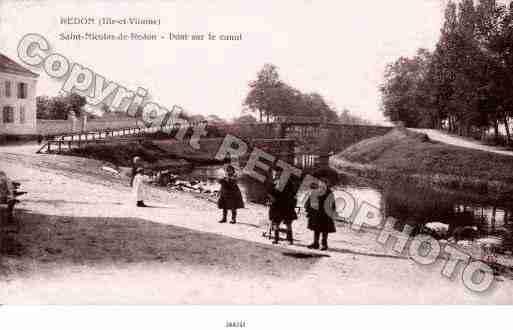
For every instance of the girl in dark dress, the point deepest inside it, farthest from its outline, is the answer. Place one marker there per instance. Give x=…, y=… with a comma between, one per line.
x=319, y=221
x=230, y=197
x=283, y=208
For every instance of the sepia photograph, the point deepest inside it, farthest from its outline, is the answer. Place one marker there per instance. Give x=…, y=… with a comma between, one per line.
x=304, y=153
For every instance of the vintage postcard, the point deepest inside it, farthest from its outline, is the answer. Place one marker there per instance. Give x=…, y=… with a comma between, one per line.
x=256, y=152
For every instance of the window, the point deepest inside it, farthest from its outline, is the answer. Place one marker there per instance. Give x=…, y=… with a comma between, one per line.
x=8, y=114
x=22, y=90
x=7, y=88
x=22, y=114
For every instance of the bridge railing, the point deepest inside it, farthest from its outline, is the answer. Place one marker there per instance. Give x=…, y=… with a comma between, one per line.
x=59, y=143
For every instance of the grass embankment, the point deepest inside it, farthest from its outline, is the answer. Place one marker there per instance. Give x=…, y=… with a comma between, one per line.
x=157, y=153
x=406, y=155
x=208, y=148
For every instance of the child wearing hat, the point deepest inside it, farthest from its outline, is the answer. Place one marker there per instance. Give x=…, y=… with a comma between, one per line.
x=230, y=197
x=319, y=211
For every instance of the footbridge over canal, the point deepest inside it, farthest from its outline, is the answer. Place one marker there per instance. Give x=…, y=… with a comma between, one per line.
x=302, y=141
x=308, y=140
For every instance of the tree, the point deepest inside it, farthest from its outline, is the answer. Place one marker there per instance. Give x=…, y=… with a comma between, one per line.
x=74, y=103
x=245, y=119
x=43, y=107
x=197, y=118
x=214, y=119
x=273, y=98
x=263, y=90
x=465, y=84
x=58, y=107
x=405, y=94
x=346, y=117
x=495, y=33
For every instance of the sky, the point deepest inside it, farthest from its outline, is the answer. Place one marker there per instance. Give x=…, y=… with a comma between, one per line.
x=338, y=49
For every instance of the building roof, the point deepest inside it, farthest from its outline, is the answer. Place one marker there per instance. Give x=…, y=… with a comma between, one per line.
x=9, y=66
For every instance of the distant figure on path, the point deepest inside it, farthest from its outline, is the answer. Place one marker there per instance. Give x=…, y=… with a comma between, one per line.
x=283, y=208
x=319, y=221
x=230, y=197
x=136, y=163
x=138, y=189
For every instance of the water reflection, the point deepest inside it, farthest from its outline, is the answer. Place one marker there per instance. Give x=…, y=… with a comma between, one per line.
x=420, y=205
x=416, y=206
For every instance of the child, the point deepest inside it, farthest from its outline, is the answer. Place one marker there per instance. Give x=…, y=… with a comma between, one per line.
x=138, y=189
x=283, y=208
x=136, y=163
x=319, y=221
x=230, y=197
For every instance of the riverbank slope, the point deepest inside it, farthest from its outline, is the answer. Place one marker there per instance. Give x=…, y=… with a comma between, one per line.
x=413, y=157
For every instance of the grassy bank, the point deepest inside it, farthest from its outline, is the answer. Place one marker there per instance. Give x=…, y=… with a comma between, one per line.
x=158, y=153
x=206, y=153
x=409, y=156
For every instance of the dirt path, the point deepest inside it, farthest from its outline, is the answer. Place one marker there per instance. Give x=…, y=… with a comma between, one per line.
x=82, y=243
x=436, y=135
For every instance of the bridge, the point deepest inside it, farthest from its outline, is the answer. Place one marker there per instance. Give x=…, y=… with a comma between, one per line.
x=302, y=142
x=310, y=133
x=310, y=140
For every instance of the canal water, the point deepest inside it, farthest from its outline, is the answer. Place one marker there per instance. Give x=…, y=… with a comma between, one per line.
x=407, y=203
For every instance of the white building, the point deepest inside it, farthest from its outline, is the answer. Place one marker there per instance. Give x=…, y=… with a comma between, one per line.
x=17, y=98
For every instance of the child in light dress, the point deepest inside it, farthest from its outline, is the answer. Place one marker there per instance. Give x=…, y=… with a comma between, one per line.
x=138, y=187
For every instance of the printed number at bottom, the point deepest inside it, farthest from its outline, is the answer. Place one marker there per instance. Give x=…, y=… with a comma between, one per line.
x=235, y=324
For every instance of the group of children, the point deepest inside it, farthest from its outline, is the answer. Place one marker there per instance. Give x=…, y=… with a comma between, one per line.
x=282, y=210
